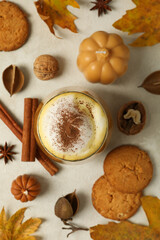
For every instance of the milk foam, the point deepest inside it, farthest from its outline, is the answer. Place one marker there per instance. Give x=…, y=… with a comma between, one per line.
x=92, y=130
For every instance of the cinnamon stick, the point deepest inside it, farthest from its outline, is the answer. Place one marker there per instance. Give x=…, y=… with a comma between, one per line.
x=11, y=123
x=33, y=140
x=17, y=131
x=43, y=159
x=28, y=139
x=26, y=130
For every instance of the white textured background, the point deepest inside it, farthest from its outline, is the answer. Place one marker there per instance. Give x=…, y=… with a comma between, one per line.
x=143, y=61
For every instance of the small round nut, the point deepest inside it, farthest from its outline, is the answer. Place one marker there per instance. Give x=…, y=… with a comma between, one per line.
x=45, y=67
x=63, y=209
x=66, y=207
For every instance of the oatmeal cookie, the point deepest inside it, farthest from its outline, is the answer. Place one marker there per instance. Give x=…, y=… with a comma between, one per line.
x=113, y=204
x=14, y=27
x=128, y=169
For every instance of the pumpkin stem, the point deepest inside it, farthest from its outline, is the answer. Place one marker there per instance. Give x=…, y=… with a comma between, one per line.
x=25, y=191
x=102, y=53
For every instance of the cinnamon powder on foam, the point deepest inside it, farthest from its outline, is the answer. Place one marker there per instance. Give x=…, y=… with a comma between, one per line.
x=68, y=127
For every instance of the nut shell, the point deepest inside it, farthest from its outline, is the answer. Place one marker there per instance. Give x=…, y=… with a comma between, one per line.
x=25, y=188
x=74, y=201
x=128, y=126
x=13, y=79
x=45, y=67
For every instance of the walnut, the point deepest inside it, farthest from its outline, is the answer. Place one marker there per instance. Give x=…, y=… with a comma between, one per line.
x=134, y=114
x=46, y=67
x=131, y=118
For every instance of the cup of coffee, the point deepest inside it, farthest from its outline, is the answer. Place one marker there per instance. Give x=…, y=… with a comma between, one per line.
x=72, y=125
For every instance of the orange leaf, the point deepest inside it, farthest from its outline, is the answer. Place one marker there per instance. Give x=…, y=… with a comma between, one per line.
x=145, y=18
x=123, y=231
x=55, y=12
x=129, y=231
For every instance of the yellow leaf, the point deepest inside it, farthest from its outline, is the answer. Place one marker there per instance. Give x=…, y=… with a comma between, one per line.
x=55, y=12
x=14, y=229
x=145, y=18
x=29, y=238
x=151, y=206
x=28, y=227
x=15, y=222
x=3, y=221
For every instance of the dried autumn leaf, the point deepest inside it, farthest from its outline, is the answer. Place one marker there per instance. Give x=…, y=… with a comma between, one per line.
x=3, y=221
x=27, y=228
x=151, y=206
x=152, y=83
x=145, y=18
x=14, y=229
x=55, y=12
x=129, y=231
x=123, y=231
x=15, y=221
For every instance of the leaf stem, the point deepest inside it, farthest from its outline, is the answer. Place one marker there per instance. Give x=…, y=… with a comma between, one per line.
x=73, y=228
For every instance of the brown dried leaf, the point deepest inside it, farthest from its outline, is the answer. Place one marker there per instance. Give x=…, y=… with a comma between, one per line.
x=129, y=231
x=123, y=231
x=152, y=83
x=56, y=13
x=13, y=79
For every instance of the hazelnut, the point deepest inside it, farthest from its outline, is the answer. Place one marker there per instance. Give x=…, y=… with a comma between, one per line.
x=45, y=67
x=63, y=209
x=66, y=207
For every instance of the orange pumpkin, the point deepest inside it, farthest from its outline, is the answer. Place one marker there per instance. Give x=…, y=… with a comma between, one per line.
x=25, y=188
x=103, y=57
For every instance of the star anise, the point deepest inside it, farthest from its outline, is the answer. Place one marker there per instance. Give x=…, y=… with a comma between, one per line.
x=101, y=6
x=6, y=152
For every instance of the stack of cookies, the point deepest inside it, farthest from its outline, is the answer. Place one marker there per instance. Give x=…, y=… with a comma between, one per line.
x=127, y=171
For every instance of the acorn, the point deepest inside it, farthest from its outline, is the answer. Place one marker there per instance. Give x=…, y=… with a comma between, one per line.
x=66, y=207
